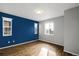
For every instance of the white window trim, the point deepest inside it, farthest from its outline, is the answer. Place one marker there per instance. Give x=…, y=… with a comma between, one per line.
x=6, y=19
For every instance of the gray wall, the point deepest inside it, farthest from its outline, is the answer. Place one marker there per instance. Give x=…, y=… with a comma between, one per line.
x=71, y=31
x=58, y=37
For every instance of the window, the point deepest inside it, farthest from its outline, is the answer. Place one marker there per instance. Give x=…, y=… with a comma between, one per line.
x=7, y=26
x=49, y=28
x=35, y=28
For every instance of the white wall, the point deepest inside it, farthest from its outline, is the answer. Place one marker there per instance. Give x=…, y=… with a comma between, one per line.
x=71, y=31
x=58, y=37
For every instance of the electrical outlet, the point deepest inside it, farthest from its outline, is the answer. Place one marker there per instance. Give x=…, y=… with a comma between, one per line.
x=8, y=41
x=13, y=41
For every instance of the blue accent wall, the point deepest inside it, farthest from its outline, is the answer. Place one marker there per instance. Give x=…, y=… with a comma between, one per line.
x=22, y=30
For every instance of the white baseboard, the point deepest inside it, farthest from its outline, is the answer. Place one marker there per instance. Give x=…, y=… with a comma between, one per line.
x=18, y=44
x=51, y=42
x=71, y=53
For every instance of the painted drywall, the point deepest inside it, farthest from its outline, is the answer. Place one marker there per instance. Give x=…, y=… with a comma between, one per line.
x=22, y=30
x=58, y=36
x=71, y=31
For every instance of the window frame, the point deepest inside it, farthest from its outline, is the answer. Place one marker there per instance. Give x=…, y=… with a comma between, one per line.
x=45, y=30
x=35, y=28
x=3, y=26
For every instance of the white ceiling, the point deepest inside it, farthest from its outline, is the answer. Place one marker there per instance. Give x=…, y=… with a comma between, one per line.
x=27, y=10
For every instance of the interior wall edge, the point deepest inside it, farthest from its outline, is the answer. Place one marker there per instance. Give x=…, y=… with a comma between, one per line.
x=51, y=18
x=18, y=44
x=71, y=52
x=52, y=42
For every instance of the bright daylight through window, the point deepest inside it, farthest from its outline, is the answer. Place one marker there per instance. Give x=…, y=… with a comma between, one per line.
x=49, y=28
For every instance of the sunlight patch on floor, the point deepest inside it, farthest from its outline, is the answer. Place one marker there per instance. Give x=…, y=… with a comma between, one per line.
x=46, y=51
x=52, y=53
x=43, y=51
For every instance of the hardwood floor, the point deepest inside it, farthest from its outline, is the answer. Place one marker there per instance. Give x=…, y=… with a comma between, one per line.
x=38, y=48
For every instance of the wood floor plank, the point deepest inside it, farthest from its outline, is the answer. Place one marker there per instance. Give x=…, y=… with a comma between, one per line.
x=38, y=48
